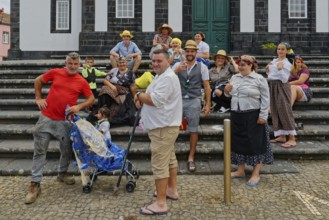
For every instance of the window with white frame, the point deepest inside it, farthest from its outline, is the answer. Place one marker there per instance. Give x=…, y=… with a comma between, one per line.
x=5, y=37
x=297, y=8
x=63, y=15
x=125, y=8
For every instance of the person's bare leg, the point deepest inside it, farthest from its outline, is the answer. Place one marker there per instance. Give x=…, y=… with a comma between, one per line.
x=193, y=143
x=293, y=94
x=240, y=171
x=160, y=205
x=137, y=63
x=255, y=177
x=290, y=143
x=113, y=61
x=281, y=138
x=172, y=183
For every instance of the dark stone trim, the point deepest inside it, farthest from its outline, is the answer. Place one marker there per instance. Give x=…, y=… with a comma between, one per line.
x=88, y=16
x=14, y=52
x=261, y=15
x=187, y=15
x=235, y=15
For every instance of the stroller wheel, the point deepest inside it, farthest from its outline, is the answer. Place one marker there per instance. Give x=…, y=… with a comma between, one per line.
x=87, y=188
x=130, y=186
x=136, y=173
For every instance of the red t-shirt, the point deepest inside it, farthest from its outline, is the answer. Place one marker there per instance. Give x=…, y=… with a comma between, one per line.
x=65, y=90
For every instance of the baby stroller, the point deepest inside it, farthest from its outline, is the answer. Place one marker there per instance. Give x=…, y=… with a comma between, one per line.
x=91, y=151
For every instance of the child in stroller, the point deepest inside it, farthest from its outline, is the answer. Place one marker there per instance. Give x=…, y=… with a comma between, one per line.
x=91, y=150
x=103, y=124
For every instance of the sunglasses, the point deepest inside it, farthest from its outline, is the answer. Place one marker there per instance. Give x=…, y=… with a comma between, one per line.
x=187, y=83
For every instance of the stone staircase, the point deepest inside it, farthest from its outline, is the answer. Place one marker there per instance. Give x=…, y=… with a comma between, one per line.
x=18, y=114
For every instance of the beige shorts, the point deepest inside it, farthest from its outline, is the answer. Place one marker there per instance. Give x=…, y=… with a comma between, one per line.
x=163, y=150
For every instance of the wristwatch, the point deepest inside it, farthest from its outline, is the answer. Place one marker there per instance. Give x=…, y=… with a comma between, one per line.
x=137, y=94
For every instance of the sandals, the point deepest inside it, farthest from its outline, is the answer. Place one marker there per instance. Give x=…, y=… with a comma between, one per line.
x=191, y=166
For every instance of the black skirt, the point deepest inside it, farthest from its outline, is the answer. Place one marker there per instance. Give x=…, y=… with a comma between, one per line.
x=248, y=137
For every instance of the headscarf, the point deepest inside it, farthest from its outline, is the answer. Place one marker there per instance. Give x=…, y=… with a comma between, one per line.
x=250, y=60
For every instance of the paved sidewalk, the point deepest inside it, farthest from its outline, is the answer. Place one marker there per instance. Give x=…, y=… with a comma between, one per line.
x=304, y=195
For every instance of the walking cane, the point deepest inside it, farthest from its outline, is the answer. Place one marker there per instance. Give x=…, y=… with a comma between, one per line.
x=128, y=148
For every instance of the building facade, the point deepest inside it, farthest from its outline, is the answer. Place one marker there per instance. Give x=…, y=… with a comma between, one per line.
x=238, y=26
x=4, y=34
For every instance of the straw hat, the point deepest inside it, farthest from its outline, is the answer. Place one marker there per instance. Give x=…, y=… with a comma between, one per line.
x=220, y=53
x=126, y=33
x=165, y=26
x=191, y=44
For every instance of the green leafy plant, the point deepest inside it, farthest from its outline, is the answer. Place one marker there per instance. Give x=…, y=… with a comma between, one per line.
x=268, y=45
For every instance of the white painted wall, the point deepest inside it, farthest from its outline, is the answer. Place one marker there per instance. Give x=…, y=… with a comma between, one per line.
x=148, y=15
x=101, y=15
x=175, y=15
x=274, y=15
x=247, y=16
x=322, y=16
x=35, y=28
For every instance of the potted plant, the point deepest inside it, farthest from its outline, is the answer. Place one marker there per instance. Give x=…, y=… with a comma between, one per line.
x=268, y=48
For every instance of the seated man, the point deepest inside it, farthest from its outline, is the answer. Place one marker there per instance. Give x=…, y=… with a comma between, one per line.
x=129, y=50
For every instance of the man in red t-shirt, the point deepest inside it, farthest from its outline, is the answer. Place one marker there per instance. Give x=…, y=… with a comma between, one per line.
x=67, y=85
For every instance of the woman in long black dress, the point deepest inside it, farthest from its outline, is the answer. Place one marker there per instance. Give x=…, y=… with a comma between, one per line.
x=249, y=111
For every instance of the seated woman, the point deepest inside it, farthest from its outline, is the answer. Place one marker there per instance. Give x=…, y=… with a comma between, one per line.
x=223, y=70
x=299, y=82
x=176, y=53
x=117, y=93
x=162, y=39
x=203, y=48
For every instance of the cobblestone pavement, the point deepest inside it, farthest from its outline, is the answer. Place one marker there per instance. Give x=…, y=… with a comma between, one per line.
x=280, y=196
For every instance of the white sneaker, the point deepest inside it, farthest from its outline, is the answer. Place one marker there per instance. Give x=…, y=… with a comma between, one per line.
x=223, y=110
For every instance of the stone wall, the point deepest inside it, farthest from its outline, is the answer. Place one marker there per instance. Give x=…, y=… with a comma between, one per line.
x=300, y=33
x=102, y=42
x=14, y=52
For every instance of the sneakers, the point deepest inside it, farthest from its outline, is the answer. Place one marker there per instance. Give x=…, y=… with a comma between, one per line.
x=66, y=178
x=223, y=110
x=34, y=192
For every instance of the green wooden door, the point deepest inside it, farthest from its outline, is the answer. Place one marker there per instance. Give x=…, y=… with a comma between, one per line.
x=212, y=17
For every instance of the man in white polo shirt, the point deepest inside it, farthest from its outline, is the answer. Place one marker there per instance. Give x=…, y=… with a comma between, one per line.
x=162, y=116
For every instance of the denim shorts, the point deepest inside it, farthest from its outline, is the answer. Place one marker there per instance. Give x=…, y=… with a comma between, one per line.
x=191, y=110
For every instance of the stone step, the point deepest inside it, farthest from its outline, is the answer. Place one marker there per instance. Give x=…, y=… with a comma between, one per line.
x=204, y=150
x=28, y=93
x=214, y=118
x=146, y=56
x=29, y=104
x=207, y=132
x=29, y=83
x=22, y=167
x=104, y=64
x=13, y=73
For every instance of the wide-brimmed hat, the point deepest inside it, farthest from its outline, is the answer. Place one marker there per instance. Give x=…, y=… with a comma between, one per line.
x=165, y=26
x=220, y=53
x=126, y=33
x=191, y=44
